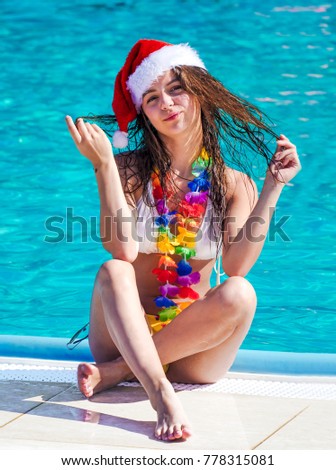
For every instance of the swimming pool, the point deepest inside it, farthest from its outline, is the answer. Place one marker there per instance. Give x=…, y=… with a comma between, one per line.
x=61, y=57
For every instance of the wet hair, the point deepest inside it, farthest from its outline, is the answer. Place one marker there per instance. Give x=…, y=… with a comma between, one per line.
x=235, y=134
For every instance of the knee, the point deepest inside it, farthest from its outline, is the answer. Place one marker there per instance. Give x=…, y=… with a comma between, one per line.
x=237, y=299
x=238, y=292
x=115, y=272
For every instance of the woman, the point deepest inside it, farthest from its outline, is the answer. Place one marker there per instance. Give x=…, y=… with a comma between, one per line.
x=154, y=315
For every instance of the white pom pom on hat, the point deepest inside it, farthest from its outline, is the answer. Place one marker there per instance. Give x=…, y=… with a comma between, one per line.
x=120, y=139
x=146, y=61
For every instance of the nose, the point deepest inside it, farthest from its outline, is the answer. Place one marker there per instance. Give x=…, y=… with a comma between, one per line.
x=166, y=101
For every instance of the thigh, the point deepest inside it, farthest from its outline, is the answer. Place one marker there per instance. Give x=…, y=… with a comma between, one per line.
x=211, y=365
x=204, y=367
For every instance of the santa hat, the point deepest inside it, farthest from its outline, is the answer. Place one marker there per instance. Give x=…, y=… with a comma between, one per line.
x=147, y=60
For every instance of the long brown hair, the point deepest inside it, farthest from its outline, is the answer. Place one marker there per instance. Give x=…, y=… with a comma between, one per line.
x=234, y=133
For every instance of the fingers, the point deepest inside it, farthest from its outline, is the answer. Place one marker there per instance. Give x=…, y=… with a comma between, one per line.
x=283, y=141
x=284, y=154
x=285, y=150
x=81, y=129
x=97, y=128
x=89, y=130
x=285, y=159
x=285, y=163
x=73, y=130
x=84, y=128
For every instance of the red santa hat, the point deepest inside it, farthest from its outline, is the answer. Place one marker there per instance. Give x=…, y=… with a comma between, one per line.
x=147, y=60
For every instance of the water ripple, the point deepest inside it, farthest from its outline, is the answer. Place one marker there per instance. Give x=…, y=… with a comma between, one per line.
x=62, y=62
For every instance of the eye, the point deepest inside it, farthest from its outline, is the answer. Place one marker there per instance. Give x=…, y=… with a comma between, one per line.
x=151, y=98
x=176, y=88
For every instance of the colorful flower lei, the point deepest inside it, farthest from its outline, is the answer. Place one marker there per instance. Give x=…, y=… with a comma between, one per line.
x=177, y=278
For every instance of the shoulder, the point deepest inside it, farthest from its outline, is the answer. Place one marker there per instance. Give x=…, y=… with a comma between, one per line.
x=240, y=186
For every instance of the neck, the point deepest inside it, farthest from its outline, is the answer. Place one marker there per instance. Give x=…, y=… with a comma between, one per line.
x=184, y=151
x=183, y=156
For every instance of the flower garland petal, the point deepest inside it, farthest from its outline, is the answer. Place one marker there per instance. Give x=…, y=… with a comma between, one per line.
x=183, y=268
x=168, y=289
x=176, y=279
x=188, y=293
x=193, y=278
x=162, y=301
x=167, y=261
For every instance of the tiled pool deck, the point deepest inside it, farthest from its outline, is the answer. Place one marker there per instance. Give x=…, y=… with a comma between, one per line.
x=41, y=408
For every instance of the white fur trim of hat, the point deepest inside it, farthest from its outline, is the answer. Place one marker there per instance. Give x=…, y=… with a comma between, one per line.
x=158, y=62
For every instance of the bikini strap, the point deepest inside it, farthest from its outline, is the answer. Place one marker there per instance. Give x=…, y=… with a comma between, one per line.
x=218, y=269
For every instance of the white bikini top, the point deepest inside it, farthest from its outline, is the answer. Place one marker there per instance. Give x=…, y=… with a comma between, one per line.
x=147, y=231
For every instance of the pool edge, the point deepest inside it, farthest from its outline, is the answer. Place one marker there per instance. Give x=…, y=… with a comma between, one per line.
x=248, y=361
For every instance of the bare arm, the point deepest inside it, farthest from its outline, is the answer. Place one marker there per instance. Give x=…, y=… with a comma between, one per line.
x=249, y=218
x=117, y=222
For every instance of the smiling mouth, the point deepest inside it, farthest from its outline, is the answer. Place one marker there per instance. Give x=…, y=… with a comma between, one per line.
x=172, y=117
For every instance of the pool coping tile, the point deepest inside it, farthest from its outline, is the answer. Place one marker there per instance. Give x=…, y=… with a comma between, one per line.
x=14, y=401
x=123, y=418
x=314, y=428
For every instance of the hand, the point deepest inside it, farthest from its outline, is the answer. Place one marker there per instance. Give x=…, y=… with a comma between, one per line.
x=285, y=163
x=91, y=141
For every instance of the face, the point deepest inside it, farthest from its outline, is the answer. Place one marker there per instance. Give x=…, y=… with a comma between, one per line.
x=169, y=108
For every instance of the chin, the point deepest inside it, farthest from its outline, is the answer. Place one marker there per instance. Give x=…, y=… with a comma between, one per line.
x=179, y=129
x=173, y=134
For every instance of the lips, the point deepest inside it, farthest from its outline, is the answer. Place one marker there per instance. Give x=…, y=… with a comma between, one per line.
x=172, y=116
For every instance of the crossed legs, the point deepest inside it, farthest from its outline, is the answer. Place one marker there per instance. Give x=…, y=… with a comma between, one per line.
x=200, y=344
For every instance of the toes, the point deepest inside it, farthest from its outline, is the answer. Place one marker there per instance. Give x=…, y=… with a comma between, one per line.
x=88, y=392
x=82, y=379
x=175, y=432
x=82, y=370
x=186, y=431
x=158, y=432
x=165, y=433
x=172, y=432
x=86, y=388
x=161, y=432
x=178, y=432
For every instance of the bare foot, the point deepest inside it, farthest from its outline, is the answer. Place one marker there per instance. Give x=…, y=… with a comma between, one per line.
x=94, y=378
x=172, y=422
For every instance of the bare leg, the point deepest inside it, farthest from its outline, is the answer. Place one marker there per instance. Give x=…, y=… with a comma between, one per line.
x=200, y=344
x=129, y=334
x=235, y=300
x=93, y=378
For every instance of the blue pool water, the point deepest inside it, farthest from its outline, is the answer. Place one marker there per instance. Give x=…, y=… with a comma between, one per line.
x=60, y=57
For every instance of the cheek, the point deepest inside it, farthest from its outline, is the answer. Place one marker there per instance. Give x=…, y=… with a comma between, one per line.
x=188, y=103
x=193, y=108
x=150, y=114
x=153, y=118
x=184, y=100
